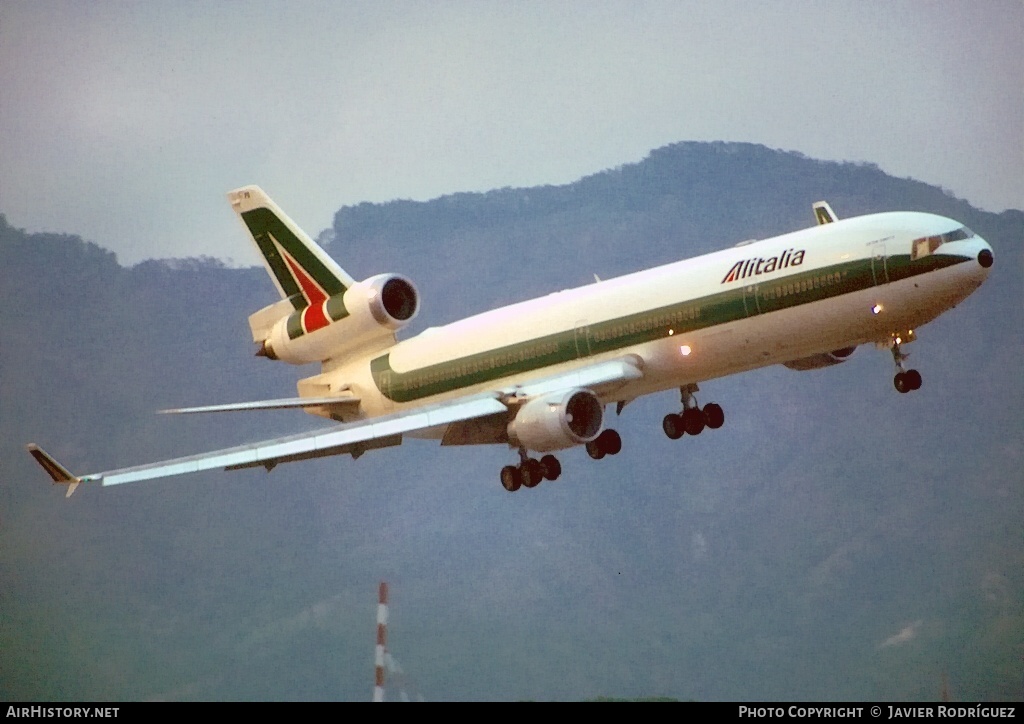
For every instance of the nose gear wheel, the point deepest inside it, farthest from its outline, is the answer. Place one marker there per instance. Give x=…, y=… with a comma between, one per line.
x=905, y=380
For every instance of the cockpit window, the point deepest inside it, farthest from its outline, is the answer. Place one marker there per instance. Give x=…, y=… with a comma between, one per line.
x=962, y=233
x=928, y=244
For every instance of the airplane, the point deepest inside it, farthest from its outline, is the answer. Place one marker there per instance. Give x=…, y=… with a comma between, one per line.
x=538, y=375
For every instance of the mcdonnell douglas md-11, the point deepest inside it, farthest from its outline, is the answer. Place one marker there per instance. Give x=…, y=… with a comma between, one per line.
x=538, y=376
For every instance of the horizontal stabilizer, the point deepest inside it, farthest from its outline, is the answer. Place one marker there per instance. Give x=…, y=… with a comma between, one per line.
x=54, y=469
x=262, y=322
x=281, y=404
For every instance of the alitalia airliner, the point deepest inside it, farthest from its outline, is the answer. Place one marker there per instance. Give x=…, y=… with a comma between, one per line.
x=540, y=375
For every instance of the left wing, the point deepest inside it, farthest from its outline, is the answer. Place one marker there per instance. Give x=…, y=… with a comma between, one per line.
x=354, y=437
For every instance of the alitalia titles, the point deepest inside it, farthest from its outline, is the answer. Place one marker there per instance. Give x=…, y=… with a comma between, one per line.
x=757, y=265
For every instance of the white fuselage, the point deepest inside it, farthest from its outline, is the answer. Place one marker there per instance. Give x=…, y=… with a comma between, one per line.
x=688, y=321
x=545, y=368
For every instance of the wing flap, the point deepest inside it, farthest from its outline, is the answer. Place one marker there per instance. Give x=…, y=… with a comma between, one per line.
x=355, y=449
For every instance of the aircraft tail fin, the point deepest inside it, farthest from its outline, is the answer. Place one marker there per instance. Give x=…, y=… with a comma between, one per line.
x=303, y=273
x=54, y=469
x=823, y=213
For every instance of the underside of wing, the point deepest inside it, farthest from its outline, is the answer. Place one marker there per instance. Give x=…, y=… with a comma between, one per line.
x=350, y=438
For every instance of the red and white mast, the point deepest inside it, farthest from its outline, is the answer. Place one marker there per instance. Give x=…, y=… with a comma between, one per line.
x=382, y=640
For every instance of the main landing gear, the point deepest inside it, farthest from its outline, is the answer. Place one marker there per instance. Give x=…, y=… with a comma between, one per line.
x=905, y=380
x=692, y=420
x=529, y=472
x=607, y=443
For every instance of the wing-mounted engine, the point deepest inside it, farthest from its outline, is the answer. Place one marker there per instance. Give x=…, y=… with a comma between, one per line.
x=825, y=359
x=364, y=316
x=557, y=420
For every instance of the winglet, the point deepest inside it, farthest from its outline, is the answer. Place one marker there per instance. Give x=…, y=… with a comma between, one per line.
x=54, y=469
x=823, y=213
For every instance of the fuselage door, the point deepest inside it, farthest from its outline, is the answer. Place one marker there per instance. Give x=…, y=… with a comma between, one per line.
x=385, y=389
x=750, y=303
x=878, y=269
x=582, y=338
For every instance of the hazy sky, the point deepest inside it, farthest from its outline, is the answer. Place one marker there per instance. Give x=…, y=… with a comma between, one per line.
x=127, y=123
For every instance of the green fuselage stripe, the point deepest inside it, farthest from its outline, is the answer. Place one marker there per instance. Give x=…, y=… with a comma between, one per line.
x=731, y=305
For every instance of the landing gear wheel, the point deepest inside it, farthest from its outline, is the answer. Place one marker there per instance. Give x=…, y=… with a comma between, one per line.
x=901, y=383
x=672, y=424
x=510, y=478
x=530, y=473
x=610, y=442
x=550, y=467
x=913, y=378
x=714, y=415
x=595, y=450
x=693, y=421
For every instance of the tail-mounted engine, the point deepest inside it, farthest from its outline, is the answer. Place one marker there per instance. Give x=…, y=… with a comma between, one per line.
x=825, y=359
x=367, y=314
x=557, y=421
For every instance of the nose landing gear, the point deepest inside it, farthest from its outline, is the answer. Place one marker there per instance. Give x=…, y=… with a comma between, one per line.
x=905, y=380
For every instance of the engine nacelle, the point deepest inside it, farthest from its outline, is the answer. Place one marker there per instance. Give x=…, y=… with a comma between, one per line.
x=825, y=359
x=386, y=301
x=557, y=421
x=369, y=312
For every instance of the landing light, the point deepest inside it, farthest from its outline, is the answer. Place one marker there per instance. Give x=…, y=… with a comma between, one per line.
x=685, y=350
x=877, y=309
x=671, y=332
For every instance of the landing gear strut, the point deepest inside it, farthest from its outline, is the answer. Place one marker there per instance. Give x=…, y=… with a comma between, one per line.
x=905, y=380
x=529, y=472
x=692, y=420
